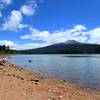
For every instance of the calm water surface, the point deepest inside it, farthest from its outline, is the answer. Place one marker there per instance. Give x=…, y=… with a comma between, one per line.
x=80, y=69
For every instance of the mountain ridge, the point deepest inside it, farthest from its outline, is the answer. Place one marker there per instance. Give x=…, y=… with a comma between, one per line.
x=67, y=47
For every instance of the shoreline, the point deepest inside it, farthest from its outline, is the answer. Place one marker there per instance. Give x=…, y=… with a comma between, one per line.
x=18, y=83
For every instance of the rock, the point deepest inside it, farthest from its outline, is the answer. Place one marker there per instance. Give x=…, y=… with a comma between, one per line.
x=35, y=83
x=60, y=96
x=64, y=80
x=9, y=74
x=36, y=80
x=53, y=98
x=29, y=60
x=31, y=79
x=14, y=75
x=21, y=78
x=2, y=63
x=18, y=76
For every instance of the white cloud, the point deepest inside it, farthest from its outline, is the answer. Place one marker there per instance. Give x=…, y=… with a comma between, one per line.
x=37, y=35
x=6, y=42
x=27, y=46
x=78, y=28
x=29, y=8
x=3, y=4
x=14, y=21
x=94, y=36
x=78, y=33
x=6, y=2
x=19, y=46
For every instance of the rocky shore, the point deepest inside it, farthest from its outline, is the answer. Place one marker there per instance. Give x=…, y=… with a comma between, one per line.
x=19, y=84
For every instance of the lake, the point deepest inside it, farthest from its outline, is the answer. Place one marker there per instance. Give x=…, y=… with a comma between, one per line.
x=82, y=69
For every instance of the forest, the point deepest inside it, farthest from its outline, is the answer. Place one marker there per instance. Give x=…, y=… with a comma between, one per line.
x=6, y=50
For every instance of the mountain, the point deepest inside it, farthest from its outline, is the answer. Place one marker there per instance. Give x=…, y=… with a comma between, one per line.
x=68, y=47
x=71, y=42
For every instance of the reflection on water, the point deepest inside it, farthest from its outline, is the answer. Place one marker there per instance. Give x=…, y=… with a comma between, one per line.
x=80, y=69
x=83, y=56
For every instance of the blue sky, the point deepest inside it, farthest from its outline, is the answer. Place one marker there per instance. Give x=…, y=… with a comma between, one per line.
x=26, y=24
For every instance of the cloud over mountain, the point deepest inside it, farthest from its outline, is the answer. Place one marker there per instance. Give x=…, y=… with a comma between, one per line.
x=78, y=32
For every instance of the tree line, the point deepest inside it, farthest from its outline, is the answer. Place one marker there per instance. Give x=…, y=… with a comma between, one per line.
x=6, y=50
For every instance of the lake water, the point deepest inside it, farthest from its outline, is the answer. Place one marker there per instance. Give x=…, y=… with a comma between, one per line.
x=80, y=69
